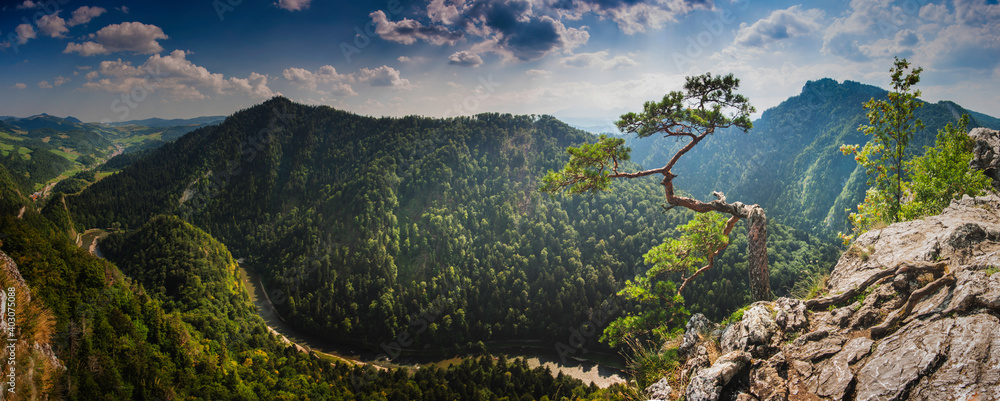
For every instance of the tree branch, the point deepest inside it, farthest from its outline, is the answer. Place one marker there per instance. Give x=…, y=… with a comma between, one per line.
x=711, y=258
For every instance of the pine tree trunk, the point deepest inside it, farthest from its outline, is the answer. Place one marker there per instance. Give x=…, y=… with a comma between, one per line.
x=760, y=277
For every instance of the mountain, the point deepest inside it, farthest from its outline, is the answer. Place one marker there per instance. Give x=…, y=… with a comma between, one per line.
x=790, y=162
x=361, y=222
x=174, y=122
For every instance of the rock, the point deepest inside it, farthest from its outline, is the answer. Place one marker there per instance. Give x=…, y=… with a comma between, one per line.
x=815, y=350
x=697, y=326
x=754, y=333
x=707, y=384
x=834, y=375
x=659, y=390
x=986, y=153
x=767, y=383
x=941, y=359
x=791, y=314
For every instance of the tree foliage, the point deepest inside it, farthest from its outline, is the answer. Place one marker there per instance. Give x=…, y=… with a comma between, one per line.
x=943, y=173
x=891, y=125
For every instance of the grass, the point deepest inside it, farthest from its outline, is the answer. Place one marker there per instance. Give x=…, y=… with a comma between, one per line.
x=810, y=287
x=857, y=251
x=991, y=270
x=648, y=365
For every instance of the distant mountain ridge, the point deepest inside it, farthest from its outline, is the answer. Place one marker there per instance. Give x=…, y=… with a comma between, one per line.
x=173, y=122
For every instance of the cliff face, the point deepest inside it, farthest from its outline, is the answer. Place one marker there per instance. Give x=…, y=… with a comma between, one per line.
x=911, y=311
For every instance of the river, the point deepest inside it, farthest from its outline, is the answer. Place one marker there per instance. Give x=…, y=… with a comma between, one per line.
x=533, y=352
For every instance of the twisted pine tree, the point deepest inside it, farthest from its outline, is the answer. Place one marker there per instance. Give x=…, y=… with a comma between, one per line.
x=707, y=104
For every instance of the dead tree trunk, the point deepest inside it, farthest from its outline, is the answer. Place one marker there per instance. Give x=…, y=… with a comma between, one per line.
x=760, y=276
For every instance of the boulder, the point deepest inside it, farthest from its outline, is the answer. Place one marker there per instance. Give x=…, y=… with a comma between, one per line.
x=697, y=326
x=986, y=153
x=754, y=333
x=659, y=390
x=708, y=383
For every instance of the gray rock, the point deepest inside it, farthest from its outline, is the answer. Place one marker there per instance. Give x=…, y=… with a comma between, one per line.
x=767, y=383
x=754, y=333
x=659, y=390
x=986, y=153
x=697, y=327
x=791, y=314
x=834, y=375
x=941, y=359
x=707, y=384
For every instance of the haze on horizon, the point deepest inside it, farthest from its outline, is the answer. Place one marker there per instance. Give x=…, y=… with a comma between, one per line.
x=584, y=61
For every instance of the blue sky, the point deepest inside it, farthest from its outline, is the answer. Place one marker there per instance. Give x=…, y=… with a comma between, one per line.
x=585, y=61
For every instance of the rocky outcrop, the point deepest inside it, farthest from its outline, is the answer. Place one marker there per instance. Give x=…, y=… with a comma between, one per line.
x=986, y=153
x=912, y=311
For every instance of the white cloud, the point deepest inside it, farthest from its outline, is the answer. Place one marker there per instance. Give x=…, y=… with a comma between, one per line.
x=61, y=80
x=446, y=14
x=339, y=83
x=293, y=5
x=45, y=85
x=779, y=25
x=24, y=33
x=133, y=37
x=92, y=75
x=52, y=25
x=28, y=4
x=178, y=77
x=84, y=14
x=599, y=59
x=404, y=59
x=408, y=31
x=633, y=16
x=383, y=76
x=85, y=49
x=465, y=59
x=20, y=85
x=534, y=72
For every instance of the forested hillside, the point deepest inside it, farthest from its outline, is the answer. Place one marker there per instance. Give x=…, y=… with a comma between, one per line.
x=180, y=326
x=790, y=162
x=359, y=223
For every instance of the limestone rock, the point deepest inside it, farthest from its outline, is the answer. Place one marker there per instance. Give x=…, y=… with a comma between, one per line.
x=707, y=384
x=697, y=326
x=754, y=333
x=791, y=314
x=986, y=153
x=659, y=390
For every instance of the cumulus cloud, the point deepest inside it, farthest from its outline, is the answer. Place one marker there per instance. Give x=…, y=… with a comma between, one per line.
x=465, y=59
x=85, y=49
x=779, y=25
x=339, y=84
x=177, y=76
x=599, y=59
x=28, y=4
x=52, y=25
x=84, y=14
x=61, y=80
x=20, y=85
x=383, y=76
x=535, y=72
x=133, y=37
x=24, y=33
x=447, y=14
x=293, y=5
x=408, y=31
x=45, y=85
x=632, y=16
x=404, y=59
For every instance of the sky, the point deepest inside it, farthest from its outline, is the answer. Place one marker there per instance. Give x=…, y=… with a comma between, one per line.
x=584, y=61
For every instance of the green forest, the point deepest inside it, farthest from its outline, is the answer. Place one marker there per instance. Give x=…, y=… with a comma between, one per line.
x=358, y=223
